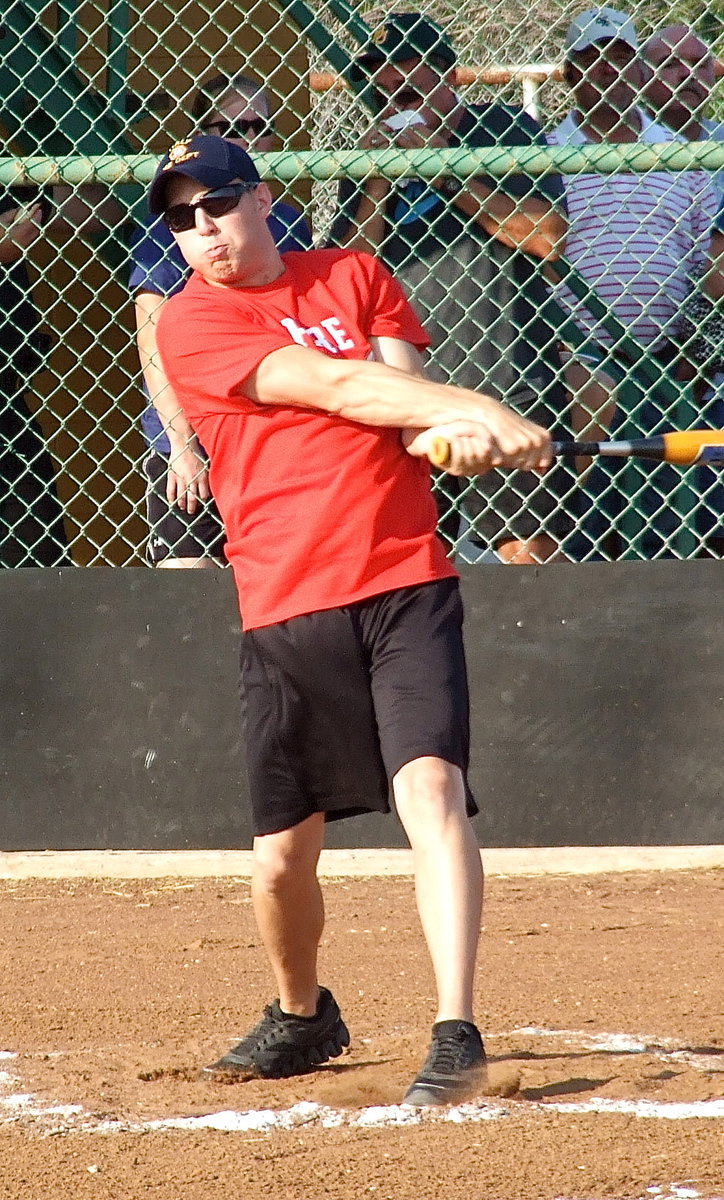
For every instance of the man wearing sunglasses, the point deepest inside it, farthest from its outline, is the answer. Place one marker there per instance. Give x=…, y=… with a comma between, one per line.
x=469, y=255
x=302, y=375
x=184, y=523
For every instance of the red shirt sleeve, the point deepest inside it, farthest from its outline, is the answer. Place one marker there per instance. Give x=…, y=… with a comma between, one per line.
x=390, y=313
x=209, y=344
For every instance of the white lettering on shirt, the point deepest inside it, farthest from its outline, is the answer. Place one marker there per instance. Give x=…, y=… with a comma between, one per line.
x=340, y=335
x=316, y=336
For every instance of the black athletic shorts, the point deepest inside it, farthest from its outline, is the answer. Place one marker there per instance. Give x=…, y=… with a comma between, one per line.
x=173, y=533
x=337, y=701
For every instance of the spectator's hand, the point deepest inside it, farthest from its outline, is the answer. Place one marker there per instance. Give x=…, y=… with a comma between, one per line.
x=379, y=137
x=187, y=482
x=376, y=138
x=503, y=439
x=19, y=228
x=420, y=137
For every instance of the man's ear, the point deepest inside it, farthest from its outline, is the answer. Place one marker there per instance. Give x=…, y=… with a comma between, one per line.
x=264, y=198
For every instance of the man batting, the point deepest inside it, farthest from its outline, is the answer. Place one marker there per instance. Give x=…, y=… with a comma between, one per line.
x=302, y=375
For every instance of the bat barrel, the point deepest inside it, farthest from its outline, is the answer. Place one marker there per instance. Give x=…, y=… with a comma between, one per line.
x=695, y=445
x=681, y=448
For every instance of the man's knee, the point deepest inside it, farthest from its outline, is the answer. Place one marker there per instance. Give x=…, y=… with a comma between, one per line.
x=284, y=857
x=429, y=789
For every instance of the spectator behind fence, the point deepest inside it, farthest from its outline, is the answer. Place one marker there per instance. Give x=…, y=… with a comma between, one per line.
x=185, y=529
x=303, y=376
x=714, y=278
x=702, y=331
x=468, y=253
x=680, y=76
x=637, y=239
x=32, y=532
x=679, y=72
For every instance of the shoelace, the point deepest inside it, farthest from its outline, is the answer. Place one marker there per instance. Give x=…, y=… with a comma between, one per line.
x=449, y=1053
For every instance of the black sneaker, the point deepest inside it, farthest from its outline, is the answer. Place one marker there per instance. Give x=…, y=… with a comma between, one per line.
x=283, y=1044
x=455, y=1068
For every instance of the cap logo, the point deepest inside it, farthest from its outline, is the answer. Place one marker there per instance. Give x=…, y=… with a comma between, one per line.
x=180, y=153
x=380, y=36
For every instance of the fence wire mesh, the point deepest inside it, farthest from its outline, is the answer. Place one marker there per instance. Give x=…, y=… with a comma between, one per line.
x=532, y=115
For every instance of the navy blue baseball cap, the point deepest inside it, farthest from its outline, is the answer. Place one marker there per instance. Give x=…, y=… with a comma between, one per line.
x=402, y=36
x=213, y=162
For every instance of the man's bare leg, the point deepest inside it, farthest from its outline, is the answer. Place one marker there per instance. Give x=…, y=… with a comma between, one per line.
x=186, y=564
x=304, y=1028
x=430, y=800
x=289, y=910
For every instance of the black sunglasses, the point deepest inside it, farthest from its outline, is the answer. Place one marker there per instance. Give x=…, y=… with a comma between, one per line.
x=180, y=217
x=241, y=128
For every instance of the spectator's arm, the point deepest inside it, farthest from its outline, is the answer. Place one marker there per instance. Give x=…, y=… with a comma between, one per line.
x=704, y=220
x=87, y=210
x=526, y=214
x=714, y=279
x=516, y=213
x=529, y=223
x=19, y=227
x=361, y=223
x=367, y=231
x=188, y=478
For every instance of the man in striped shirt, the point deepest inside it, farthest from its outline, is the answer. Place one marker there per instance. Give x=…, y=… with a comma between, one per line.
x=637, y=239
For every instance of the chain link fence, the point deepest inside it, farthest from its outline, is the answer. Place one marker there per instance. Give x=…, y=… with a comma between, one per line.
x=594, y=341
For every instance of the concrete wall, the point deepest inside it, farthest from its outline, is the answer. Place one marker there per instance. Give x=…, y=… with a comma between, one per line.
x=597, y=709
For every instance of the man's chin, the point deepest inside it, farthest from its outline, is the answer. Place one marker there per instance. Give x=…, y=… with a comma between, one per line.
x=221, y=273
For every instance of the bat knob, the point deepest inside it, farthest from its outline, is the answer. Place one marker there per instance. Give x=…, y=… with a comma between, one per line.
x=439, y=452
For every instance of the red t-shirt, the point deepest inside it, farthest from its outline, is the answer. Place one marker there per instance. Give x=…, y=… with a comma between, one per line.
x=319, y=511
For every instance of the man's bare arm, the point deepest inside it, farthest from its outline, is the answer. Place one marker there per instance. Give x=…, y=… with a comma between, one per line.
x=19, y=228
x=469, y=444
x=376, y=393
x=714, y=278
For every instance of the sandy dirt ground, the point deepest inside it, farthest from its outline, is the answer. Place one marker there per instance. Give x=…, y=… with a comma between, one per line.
x=601, y=999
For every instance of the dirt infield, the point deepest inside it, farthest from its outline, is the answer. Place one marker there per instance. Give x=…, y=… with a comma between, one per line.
x=601, y=998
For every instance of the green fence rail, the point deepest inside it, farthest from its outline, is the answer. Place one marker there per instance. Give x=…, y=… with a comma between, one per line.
x=288, y=166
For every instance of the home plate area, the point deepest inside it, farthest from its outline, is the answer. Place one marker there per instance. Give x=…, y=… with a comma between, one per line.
x=120, y=991
x=27, y=1108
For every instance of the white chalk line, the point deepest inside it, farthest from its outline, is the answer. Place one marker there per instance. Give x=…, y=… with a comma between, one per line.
x=666, y=1049
x=17, y=1106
